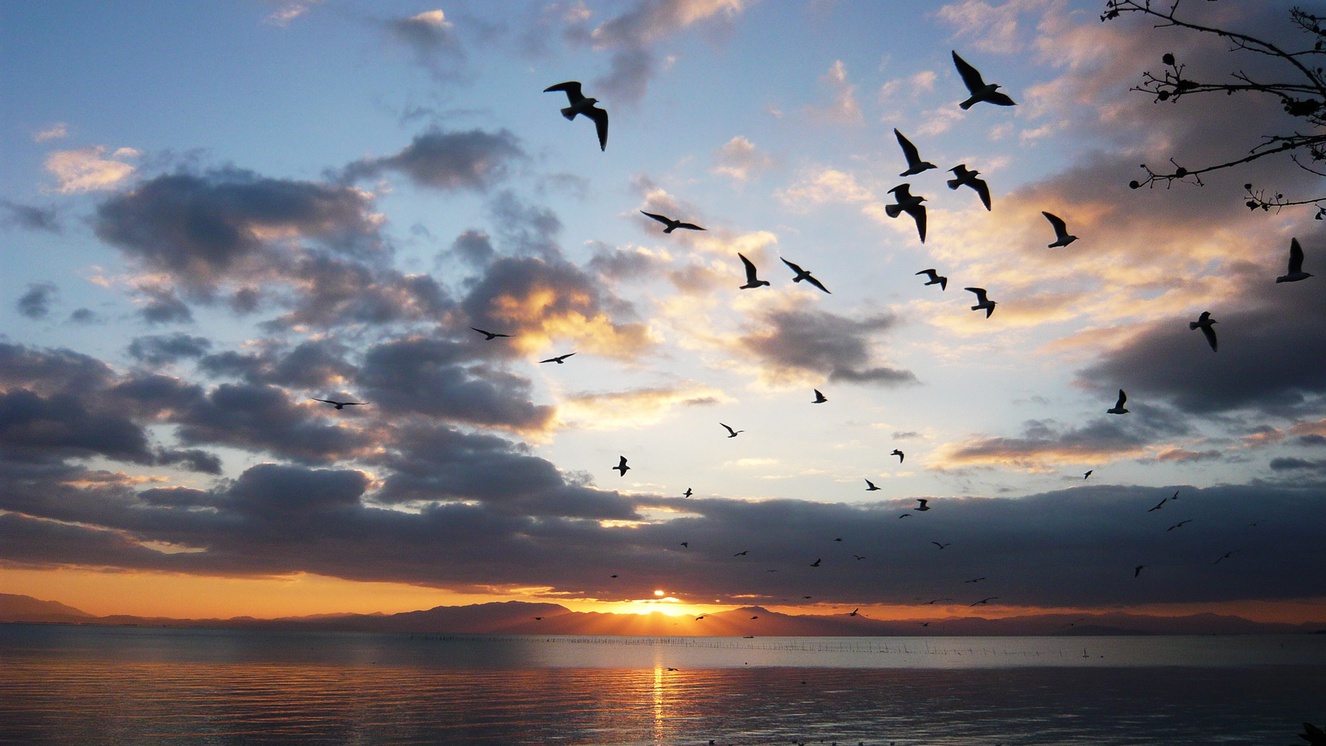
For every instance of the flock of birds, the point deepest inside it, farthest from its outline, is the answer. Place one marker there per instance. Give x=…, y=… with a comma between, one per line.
x=905, y=202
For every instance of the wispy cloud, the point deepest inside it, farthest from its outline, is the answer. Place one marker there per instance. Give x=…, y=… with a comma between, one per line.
x=87, y=170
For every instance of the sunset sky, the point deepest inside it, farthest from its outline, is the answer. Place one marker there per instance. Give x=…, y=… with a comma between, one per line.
x=212, y=213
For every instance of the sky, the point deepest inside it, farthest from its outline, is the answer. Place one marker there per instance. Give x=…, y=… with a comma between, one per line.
x=212, y=215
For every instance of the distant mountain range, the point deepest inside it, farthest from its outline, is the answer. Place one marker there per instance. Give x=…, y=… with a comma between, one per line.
x=521, y=618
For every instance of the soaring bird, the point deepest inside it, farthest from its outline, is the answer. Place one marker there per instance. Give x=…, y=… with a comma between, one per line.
x=1179, y=524
x=581, y=104
x=935, y=278
x=855, y=612
x=899, y=454
x=968, y=178
x=687, y=493
x=1157, y=506
x=340, y=404
x=1224, y=556
x=1088, y=473
x=908, y=203
x=685, y=545
x=489, y=336
x=870, y=487
x=751, y=280
x=621, y=467
x=730, y=432
x=858, y=557
x=1138, y=570
x=819, y=398
x=985, y=601
x=742, y=553
x=1061, y=235
x=978, y=88
x=560, y=359
x=914, y=163
x=941, y=546
x=816, y=563
x=1205, y=322
x=804, y=275
x=975, y=580
x=671, y=224
x=1295, y=272
x=1118, y=405
x=982, y=301
x=923, y=506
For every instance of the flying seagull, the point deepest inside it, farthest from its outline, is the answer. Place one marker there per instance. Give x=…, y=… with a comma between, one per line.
x=819, y=398
x=935, y=278
x=1157, y=505
x=858, y=557
x=687, y=493
x=685, y=545
x=870, y=487
x=922, y=507
x=751, y=280
x=1061, y=235
x=671, y=224
x=560, y=359
x=742, y=553
x=816, y=563
x=730, y=432
x=941, y=546
x=899, y=454
x=854, y=612
x=489, y=336
x=580, y=104
x=339, y=404
x=982, y=301
x=621, y=467
x=914, y=163
x=978, y=88
x=1088, y=473
x=963, y=177
x=804, y=275
x=1295, y=272
x=1118, y=405
x=1179, y=524
x=1138, y=570
x=975, y=580
x=985, y=601
x=1224, y=556
x=909, y=204
x=1205, y=322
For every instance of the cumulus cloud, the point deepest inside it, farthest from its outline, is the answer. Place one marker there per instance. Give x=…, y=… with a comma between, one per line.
x=432, y=39
x=36, y=302
x=163, y=349
x=740, y=160
x=449, y=161
x=87, y=170
x=29, y=217
x=803, y=345
x=842, y=106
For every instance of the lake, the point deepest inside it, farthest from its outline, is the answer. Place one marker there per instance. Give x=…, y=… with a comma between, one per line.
x=122, y=685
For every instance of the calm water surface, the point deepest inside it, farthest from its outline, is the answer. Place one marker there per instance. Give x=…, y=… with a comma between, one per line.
x=114, y=685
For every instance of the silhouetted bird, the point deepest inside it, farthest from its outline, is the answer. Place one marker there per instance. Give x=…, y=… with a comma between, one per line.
x=899, y=454
x=560, y=359
x=910, y=204
x=538, y=619
x=914, y=163
x=339, y=404
x=730, y=432
x=935, y=278
x=854, y=611
x=672, y=224
x=941, y=546
x=982, y=302
x=985, y=601
x=819, y=398
x=804, y=275
x=751, y=280
x=978, y=88
x=905, y=515
x=1179, y=524
x=858, y=557
x=1061, y=236
x=489, y=336
x=1295, y=272
x=816, y=563
x=698, y=618
x=870, y=486
x=621, y=467
x=923, y=506
x=1225, y=556
x=968, y=178
x=687, y=493
x=1118, y=405
x=685, y=544
x=1088, y=473
x=1205, y=323
x=581, y=104
x=1157, y=505
x=1138, y=570
x=975, y=580
x=742, y=553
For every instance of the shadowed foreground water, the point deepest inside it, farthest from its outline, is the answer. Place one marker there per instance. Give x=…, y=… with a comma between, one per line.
x=72, y=685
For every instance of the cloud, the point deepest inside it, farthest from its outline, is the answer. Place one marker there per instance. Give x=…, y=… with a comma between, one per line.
x=995, y=28
x=808, y=346
x=450, y=161
x=163, y=349
x=825, y=185
x=29, y=217
x=56, y=131
x=85, y=170
x=36, y=302
x=201, y=229
x=634, y=408
x=432, y=40
x=160, y=305
x=842, y=106
x=740, y=160
x=289, y=10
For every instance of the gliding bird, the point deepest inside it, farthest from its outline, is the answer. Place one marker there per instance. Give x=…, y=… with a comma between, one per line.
x=910, y=204
x=982, y=301
x=339, y=404
x=1295, y=272
x=621, y=467
x=671, y=224
x=730, y=432
x=751, y=280
x=978, y=88
x=489, y=336
x=1061, y=235
x=581, y=104
x=1205, y=322
x=819, y=398
x=968, y=178
x=870, y=487
x=1118, y=405
x=914, y=163
x=935, y=278
x=804, y=275
x=559, y=359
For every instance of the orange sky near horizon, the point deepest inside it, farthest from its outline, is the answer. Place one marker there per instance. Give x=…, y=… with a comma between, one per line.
x=105, y=593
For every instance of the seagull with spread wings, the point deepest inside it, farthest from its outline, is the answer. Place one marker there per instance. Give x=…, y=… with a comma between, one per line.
x=672, y=224
x=935, y=278
x=1295, y=272
x=908, y=203
x=982, y=302
x=339, y=404
x=899, y=454
x=1118, y=405
x=963, y=177
x=1205, y=323
x=914, y=163
x=730, y=432
x=581, y=104
x=559, y=359
x=870, y=486
x=1061, y=235
x=802, y=274
x=819, y=397
x=489, y=336
x=751, y=280
x=621, y=467
x=977, y=87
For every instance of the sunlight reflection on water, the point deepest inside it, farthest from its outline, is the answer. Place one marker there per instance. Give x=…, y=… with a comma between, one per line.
x=99, y=686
